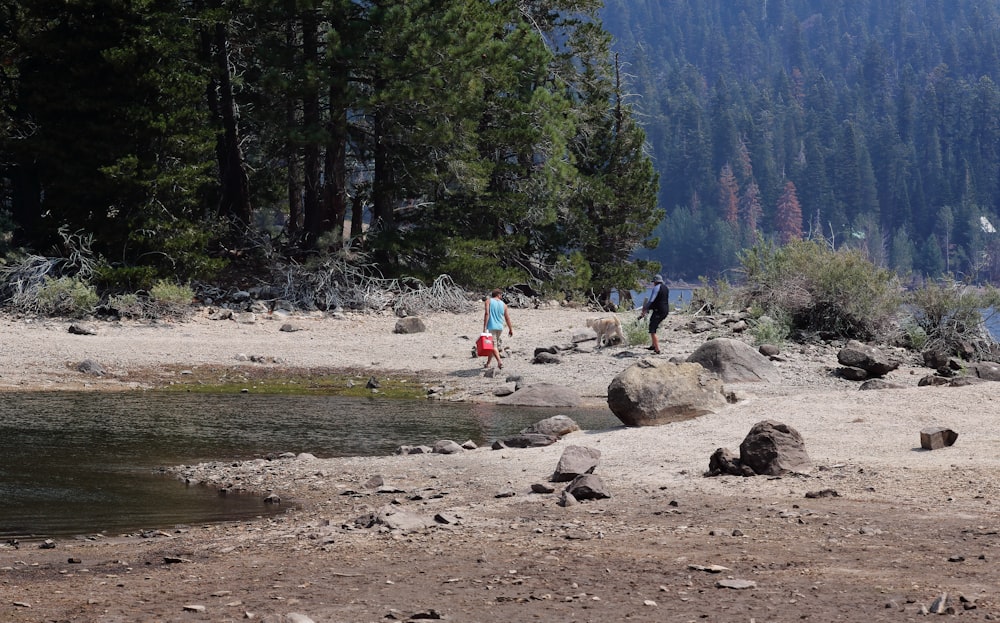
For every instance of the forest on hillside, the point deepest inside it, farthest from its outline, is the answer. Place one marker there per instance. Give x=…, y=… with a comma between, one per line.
x=191, y=139
x=873, y=124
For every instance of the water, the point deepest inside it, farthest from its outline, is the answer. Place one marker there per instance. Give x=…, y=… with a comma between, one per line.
x=81, y=463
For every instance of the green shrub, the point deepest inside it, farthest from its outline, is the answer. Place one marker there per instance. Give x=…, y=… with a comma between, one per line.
x=951, y=317
x=836, y=292
x=124, y=278
x=170, y=293
x=129, y=305
x=767, y=329
x=66, y=296
x=170, y=299
x=636, y=331
x=709, y=298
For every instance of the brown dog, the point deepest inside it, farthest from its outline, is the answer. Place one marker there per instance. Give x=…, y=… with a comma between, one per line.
x=608, y=330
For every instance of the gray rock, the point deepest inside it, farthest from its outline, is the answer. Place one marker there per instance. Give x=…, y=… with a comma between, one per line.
x=447, y=446
x=772, y=448
x=542, y=488
x=935, y=438
x=724, y=462
x=576, y=461
x=583, y=335
x=852, y=374
x=526, y=440
x=566, y=499
x=932, y=380
x=588, y=487
x=295, y=617
x=410, y=324
x=965, y=381
x=858, y=355
x=557, y=425
x=986, y=370
x=734, y=361
x=879, y=384
x=79, y=329
x=542, y=395
x=89, y=366
x=736, y=584
x=289, y=328
x=769, y=350
x=546, y=358
x=652, y=391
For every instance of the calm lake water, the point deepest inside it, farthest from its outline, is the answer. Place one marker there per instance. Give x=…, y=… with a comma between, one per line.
x=82, y=463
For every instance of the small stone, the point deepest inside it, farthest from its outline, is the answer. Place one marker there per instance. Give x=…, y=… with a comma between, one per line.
x=47, y=544
x=541, y=488
x=194, y=608
x=736, y=584
x=934, y=438
x=506, y=493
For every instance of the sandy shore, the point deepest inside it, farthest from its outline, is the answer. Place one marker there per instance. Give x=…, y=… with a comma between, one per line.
x=904, y=526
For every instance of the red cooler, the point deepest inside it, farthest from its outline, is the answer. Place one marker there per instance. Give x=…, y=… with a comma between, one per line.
x=484, y=345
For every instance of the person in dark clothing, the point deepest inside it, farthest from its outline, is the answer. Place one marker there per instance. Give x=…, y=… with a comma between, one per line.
x=658, y=303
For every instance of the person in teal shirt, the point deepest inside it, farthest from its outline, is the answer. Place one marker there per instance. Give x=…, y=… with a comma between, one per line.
x=495, y=317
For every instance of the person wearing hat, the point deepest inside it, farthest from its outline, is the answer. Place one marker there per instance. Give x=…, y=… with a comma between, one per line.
x=658, y=303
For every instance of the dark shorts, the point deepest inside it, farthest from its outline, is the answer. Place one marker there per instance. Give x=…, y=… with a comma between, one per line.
x=654, y=321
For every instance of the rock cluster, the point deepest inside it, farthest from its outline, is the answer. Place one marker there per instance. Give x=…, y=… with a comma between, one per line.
x=770, y=448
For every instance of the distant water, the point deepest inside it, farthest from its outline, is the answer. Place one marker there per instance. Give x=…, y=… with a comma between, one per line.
x=76, y=463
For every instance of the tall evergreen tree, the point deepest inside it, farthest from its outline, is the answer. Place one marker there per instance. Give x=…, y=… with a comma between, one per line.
x=789, y=215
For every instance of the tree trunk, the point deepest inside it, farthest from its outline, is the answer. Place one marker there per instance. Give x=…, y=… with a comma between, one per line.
x=235, y=186
x=313, y=209
x=382, y=182
x=293, y=170
x=336, y=156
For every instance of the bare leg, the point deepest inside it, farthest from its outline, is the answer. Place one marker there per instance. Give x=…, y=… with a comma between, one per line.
x=656, y=343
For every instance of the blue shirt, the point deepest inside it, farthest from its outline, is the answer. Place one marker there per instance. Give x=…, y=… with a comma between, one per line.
x=496, y=321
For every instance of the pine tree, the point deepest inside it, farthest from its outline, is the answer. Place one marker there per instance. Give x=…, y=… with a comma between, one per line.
x=789, y=215
x=729, y=195
x=750, y=208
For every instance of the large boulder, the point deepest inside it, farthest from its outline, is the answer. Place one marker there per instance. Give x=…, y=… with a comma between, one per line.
x=734, y=361
x=772, y=449
x=542, y=395
x=655, y=391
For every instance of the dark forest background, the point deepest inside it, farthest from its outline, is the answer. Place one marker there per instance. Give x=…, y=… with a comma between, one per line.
x=490, y=141
x=872, y=123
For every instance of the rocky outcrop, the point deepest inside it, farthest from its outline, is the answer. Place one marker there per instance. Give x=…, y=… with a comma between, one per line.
x=653, y=391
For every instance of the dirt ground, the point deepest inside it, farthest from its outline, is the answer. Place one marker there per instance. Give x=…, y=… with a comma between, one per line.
x=878, y=531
